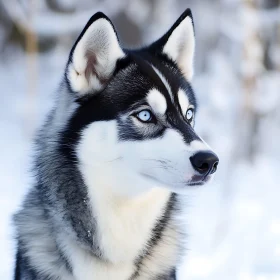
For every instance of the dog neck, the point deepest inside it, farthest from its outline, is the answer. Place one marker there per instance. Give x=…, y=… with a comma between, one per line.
x=124, y=224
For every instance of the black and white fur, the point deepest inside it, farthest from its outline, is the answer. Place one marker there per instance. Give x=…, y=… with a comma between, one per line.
x=105, y=201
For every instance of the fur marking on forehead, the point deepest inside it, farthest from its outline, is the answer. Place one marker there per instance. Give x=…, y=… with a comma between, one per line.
x=164, y=81
x=157, y=101
x=155, y=76
x=183, y=101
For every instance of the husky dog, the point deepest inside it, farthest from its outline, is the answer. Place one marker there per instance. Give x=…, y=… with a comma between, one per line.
x=112, y=158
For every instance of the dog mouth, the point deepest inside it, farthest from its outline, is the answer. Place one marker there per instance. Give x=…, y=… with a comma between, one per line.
x=199, y=180
x=196, y=180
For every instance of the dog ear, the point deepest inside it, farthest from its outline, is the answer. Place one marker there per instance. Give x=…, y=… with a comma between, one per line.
x=179, y=44
x=93, y=58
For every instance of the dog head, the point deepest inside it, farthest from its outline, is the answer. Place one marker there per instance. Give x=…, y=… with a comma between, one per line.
x=133, y=128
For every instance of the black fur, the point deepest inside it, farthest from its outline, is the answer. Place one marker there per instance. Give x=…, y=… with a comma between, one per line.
x=17, y=275
x=23, y=268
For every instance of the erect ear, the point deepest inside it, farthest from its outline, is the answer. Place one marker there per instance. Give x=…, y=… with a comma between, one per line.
x=93, y=58
x=179, y=43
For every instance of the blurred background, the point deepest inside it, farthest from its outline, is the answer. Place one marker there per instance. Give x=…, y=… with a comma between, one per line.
x=234, y=222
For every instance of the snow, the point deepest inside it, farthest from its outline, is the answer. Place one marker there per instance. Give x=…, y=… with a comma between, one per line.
x=233, y=223
x=237, y=238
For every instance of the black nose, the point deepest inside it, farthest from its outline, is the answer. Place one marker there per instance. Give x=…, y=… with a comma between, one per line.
x=205, y=162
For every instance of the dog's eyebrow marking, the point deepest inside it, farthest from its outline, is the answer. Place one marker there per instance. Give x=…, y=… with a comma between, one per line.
x=164, y=81
x=157, y=101
x=183, y=101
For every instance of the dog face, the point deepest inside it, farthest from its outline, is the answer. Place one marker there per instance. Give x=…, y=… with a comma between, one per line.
x=133, y=129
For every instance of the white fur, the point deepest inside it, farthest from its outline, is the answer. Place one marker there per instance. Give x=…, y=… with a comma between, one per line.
x=101, y=40
x=164, y=81
x=88, y=267
x=157, y=101
x=125, y=217
x=161, y=259
x=124, y=227
x=181, y=45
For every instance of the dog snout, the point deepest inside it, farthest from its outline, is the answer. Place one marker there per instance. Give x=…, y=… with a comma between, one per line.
x=205, y=162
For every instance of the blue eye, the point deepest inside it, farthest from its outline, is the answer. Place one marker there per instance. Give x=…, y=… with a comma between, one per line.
x=145, y=116
x=189, y=114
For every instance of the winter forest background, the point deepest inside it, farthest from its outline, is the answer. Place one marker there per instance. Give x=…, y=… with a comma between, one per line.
x=233, y=223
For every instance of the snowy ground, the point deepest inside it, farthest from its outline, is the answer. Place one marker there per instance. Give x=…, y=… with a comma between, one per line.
x=233, y=223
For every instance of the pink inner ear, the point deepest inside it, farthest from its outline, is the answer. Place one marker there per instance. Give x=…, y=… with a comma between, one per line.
x=91, y=67
x=91, y=62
